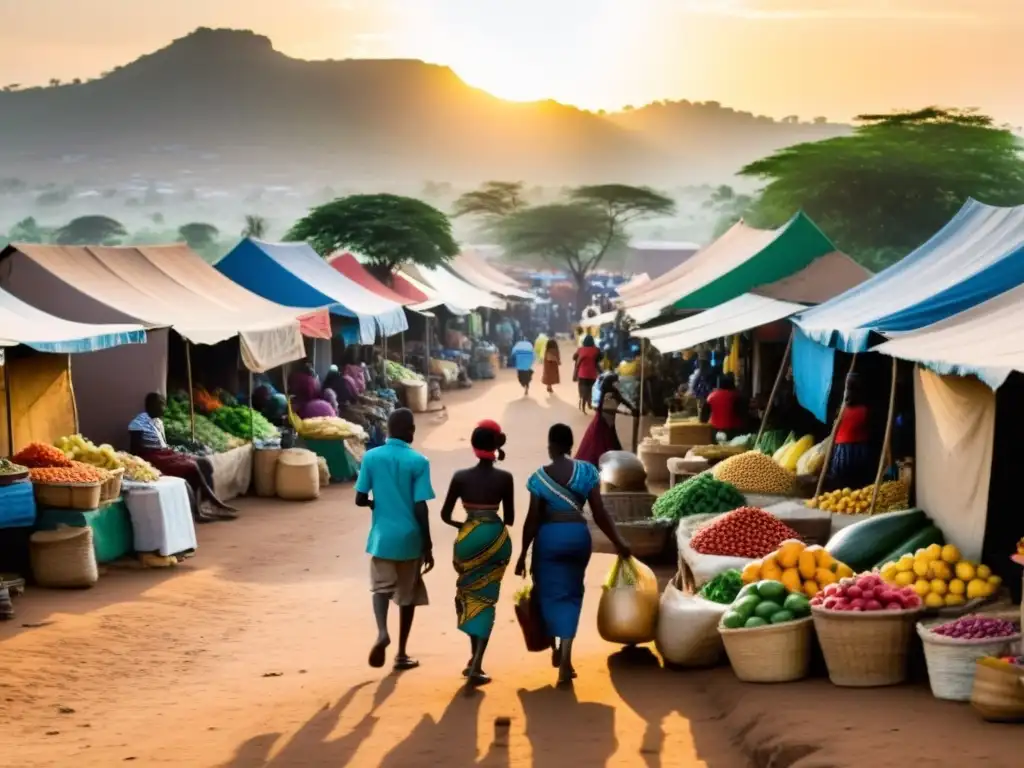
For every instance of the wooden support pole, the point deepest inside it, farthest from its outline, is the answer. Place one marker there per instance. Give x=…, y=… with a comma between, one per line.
x=640, y=406
x=885, y=441
x=191, y=395
x=835, y=428
x=775, y=386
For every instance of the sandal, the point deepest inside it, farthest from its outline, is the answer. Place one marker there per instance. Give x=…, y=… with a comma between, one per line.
x=404, y=663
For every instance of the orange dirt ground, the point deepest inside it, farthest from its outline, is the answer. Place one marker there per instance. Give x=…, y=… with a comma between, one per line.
x=254, y=654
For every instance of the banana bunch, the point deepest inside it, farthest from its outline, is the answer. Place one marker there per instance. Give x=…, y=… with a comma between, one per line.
x=78, y=448
x=325, y=427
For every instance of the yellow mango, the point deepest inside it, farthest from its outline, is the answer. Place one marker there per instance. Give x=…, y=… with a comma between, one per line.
x=824, y=577
x=811, y=588
x=788, y=553
x=807, y=564
x=770, y=569
x=844, y=571
x=752, y=572
x=791, y=578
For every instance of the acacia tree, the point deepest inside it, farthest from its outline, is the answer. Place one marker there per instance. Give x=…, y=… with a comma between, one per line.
x=387, y=230
x=578, y=234
x=493, y=201
x=91, y=230
x=199, y=235
x=882, y=191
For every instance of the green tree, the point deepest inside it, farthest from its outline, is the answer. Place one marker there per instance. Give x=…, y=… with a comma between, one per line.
x=882, y=191
x=728, y=206
x=91, y=230
x=255, y=227
x=493, y=201
x=28, y=231
x=578, y=234
x=199, y=235
x=388, y=230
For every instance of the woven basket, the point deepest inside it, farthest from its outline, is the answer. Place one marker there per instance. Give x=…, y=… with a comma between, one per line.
x=111, y=488
x=777, y=653
x=865, y=649
x=84, y=496
x=626, y=507
x=64, y=558
x=998, y=693
x=951, y=662
x=297, y=476
x=655, y=456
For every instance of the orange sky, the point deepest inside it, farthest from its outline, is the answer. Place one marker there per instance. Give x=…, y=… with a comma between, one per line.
x=779, y=57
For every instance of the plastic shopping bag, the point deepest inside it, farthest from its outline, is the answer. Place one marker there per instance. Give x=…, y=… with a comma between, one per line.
x=628, y=611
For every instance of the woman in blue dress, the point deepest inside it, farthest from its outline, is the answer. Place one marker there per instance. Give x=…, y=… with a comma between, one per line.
x=557, y=530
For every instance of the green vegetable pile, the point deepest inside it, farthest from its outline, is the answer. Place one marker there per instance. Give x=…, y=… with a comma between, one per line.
x=772, y=440
x=399, y=372
x=179, y=429
x=236, y=419
x=763, y=603
x=700, y=495
x=724, y=588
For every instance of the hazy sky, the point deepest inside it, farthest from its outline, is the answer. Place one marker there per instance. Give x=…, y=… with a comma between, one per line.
x=777, y=57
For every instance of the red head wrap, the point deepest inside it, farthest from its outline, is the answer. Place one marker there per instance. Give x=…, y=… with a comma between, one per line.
x=490, y=426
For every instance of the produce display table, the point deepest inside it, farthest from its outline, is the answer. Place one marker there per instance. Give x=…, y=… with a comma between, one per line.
x=232, y=472
x=339, y=465
x=111, y=525
x=161, y=516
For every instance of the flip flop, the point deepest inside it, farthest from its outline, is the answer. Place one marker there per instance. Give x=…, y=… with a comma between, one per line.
x=404, y=663
x=476, y=681
x=378, y=653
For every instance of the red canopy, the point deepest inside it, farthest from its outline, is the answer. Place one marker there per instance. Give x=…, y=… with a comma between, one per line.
x=402, y=292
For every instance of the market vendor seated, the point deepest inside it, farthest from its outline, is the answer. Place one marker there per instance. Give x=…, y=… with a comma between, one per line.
x=727, y=408
x=148, y=441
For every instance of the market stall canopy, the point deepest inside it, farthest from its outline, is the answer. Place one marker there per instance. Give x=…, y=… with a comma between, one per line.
x=976, y=256
x=635, y=283
x=295, y=275
x=426, y=298
x=159, y=287
x=735, y=316
x=477, y=263
x=349, y=266
x=821, y=280
x=454, y=290
x=985, y=341
x=463, y=269
x=21, y=323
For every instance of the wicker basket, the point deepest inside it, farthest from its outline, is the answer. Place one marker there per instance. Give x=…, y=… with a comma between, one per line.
x=64, y=558
x=777, y=653
x=951, y=662
x=998, y=693
x=111, y=488
x=655, y=456
x=84, y=496
x=865, y=650
x=625, y=507
x=297, y=476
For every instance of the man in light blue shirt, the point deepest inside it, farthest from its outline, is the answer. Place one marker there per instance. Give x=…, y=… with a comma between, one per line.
x=394, y=482
x=522, y=358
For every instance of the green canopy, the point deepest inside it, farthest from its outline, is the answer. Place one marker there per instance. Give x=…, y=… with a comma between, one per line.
x=796, y=244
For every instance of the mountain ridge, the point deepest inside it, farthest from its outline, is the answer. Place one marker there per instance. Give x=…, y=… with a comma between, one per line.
x=230, y=99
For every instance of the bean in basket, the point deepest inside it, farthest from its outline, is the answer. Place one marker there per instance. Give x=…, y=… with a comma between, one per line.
x=38, y=455
x=744, y=532
x=66, y=475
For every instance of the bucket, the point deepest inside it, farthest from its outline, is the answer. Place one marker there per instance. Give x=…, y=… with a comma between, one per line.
x=416, y=395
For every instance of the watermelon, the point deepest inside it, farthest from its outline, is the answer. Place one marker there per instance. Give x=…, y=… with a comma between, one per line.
x=861, y=544
x=798, y=605
x=766, y=609
x=772, y=590
x=782, y=616
x=921, y=539
x=746, y=606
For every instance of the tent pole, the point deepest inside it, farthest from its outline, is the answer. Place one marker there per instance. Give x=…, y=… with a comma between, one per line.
x=384, y=357
x=191, y=394
x=251, y=438
x=640, y=409
x=403, y=348
x=835, y=428
x=7, y=403
x=885, y=440
x=74, y=400
x=775, y=386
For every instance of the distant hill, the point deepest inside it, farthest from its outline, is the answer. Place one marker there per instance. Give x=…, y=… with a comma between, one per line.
x=226, y=99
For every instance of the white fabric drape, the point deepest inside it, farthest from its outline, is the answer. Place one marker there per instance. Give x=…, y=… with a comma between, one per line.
x=956, y=419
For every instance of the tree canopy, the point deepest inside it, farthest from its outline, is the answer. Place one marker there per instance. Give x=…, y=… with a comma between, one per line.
x=578, y=234
x=884, y=190
x=198, y=235
x=255, y=227
x=493, y=201
x=91, y=230
x=387, y=230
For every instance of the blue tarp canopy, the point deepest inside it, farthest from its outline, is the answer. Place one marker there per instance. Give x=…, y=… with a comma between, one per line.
x=293, y=274
x=21, y=323
x=978, y=255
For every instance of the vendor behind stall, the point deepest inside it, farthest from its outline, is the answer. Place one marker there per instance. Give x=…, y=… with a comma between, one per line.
x=852, y=464
x=726, y=411
x=148, y=441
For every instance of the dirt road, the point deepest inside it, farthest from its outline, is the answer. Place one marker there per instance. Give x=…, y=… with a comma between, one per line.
x=254, y=654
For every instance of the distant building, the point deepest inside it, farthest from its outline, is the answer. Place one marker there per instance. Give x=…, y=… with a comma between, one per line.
x=656, y=257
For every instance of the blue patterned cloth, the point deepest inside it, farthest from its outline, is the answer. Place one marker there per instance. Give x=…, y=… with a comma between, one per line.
x=561, y=551
x=152, y=431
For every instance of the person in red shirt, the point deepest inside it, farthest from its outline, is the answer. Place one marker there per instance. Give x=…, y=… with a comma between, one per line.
x=726, y=408
x=852, y=464
x=585, y=372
